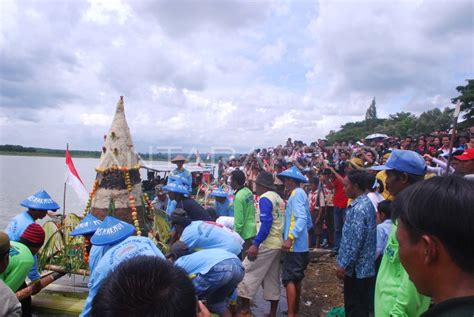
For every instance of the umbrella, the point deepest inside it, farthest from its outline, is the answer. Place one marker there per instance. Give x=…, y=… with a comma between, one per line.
x=376, y=136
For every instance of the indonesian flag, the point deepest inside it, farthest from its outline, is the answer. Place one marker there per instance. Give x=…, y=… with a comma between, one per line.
x=73, y=178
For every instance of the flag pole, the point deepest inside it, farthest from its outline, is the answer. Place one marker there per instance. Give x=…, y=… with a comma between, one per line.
x=457, y=109
x=64, y=194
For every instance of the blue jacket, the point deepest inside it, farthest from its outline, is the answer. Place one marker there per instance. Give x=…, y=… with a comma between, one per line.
x=297, y=220
x=128, y=248
x=225, y=208
x=359, y=234
x=15, y=229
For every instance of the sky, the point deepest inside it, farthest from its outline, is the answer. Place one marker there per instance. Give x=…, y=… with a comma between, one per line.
x=219, y=75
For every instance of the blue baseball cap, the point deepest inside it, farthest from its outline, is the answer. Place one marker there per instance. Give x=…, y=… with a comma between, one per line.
x=219, y=192
x=112, y=231
x=88, y=225
x=293, y=172
x=404, y=161
x=176, y=187
x=40, y=201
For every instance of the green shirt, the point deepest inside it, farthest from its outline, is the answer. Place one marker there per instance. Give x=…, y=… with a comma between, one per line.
x=21, y=262
x=395, y=294
x=244, y=214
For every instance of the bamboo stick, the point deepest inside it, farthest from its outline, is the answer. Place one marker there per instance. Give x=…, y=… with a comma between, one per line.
x=44, y=281
x=60, y=269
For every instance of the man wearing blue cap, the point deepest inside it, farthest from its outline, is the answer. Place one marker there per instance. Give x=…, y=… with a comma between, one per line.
x=38, y=205
x=295, y=235
x=87, y=228
x=395, y=294
x=222, y=204
x=180, y=194
x=117, y=235
x=181, y=172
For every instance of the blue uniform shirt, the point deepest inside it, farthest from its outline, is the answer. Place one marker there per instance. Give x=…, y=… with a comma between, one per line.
x=171, y=207
x=185, y=175
x=357, y=250
x=225, y=209
x=15, y=229
x=128, y=248
x=210, y=235
x=297, y=220
x=95, y=254
x=202, y=261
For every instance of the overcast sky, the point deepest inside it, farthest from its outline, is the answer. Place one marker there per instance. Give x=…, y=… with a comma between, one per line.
x=219, y=74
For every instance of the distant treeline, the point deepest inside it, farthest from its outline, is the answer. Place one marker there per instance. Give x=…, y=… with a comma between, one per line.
x=10, y=149
x=22, y=150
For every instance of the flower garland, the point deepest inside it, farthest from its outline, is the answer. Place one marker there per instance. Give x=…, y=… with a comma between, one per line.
x=131, y=201
x=149, y=206
x=91, y=195
x=85, y=246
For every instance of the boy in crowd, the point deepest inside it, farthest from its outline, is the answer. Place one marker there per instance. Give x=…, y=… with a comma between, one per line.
x=295, y=235
x=435, y=235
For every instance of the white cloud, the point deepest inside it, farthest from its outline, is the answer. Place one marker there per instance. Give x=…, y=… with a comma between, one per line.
x=222, y=73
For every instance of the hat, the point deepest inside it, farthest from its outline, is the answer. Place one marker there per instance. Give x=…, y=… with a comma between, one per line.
x=176, y=187
x=112, y=231
x=178, y=249
x=34, y=234
x=219, y=192
x=179, y=177
x=4, y=243
x=180, y=217
x=179, y=158
x=40, y=201
x=386, y=155
x=357, y=163
x=159, y=189
x=405, y=161
x=265, y=179
x=466, y=156
x=294, y=173
x=88, y=225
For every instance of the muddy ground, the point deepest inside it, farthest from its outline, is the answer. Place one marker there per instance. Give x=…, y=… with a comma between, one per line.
x=321, y=289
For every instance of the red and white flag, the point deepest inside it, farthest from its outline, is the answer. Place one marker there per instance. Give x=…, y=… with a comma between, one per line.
x=74, y=180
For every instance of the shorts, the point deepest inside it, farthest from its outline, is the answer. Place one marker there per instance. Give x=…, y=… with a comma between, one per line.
x=294, y=265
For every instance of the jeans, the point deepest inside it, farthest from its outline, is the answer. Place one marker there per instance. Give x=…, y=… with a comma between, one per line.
x=219, y=283
x=339, y=215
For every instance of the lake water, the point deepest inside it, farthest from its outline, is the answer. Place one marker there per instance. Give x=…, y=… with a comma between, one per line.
x=22, y=176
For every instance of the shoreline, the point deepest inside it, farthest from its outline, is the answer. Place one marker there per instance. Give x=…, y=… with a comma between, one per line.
x=73, y=155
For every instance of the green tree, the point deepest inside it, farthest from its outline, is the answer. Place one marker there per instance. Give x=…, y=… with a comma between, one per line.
x=371, y=113
x=467, y=98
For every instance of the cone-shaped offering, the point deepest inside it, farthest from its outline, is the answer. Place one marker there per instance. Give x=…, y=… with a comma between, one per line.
x=117, y=190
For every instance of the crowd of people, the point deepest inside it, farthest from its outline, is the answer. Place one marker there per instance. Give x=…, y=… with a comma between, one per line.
x=397, y=215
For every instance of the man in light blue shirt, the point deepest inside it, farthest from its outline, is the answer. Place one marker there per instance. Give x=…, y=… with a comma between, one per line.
x=181, y=172
x=215, y=272
x=38, y=205
x=116, y=235
x=222, y=204
x=204, y=235
x=130, y=247
x=295, y=235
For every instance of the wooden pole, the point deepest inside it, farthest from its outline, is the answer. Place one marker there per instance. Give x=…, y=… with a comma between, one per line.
x=60, y=269
x=44, y=281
